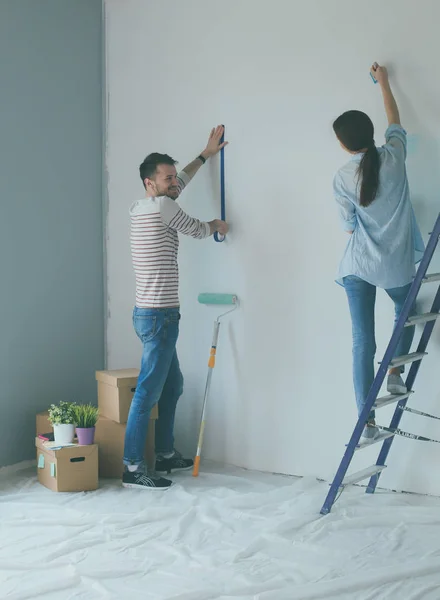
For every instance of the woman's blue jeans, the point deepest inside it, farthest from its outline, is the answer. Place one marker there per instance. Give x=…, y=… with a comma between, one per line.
x=361, y=300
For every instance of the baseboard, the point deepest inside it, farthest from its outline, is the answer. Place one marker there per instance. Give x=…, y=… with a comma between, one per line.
x=21, y=466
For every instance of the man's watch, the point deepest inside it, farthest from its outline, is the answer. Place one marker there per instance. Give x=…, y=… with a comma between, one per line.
x=201, y=158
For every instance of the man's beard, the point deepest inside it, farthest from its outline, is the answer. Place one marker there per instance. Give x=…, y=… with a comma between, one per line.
x=172, y=193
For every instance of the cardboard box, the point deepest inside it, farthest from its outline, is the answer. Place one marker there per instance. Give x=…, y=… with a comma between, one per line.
x=69, y=469
x=110, y=436
x=115, y=393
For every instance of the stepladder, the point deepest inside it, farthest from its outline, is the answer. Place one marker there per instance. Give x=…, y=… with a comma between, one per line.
x=373, y=401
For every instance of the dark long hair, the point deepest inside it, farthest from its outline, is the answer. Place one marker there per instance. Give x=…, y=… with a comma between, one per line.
x=355, y=130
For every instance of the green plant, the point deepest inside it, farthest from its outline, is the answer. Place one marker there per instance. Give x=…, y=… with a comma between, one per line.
x=85, y=415
x=62, y=413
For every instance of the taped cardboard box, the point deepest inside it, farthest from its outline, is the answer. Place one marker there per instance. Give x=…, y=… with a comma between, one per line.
x=110, y=437
x=69, y=469
x=115, y=393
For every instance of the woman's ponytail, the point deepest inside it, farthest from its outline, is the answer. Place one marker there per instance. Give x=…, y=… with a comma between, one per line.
x=355, y=131
x=368, y=173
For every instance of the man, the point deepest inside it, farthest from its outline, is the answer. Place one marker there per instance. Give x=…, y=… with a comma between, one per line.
x=155, y=223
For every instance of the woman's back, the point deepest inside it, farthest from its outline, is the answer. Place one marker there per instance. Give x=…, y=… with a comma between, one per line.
x=386, y=242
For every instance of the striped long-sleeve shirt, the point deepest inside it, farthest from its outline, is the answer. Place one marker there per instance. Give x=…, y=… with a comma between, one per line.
x=155, y=223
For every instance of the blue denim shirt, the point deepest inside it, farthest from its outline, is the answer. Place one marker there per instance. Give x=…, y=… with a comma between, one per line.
x=386, y=242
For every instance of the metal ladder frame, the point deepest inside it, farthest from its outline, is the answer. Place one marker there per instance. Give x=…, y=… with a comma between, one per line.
x=372, y=402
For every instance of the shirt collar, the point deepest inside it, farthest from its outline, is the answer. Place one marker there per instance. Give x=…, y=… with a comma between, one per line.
x=357, y=157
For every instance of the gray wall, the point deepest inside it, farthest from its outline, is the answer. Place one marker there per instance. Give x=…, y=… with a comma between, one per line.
x=51, y=224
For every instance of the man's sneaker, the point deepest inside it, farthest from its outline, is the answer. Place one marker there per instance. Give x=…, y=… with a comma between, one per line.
x=395, y=384
x=144, y=480
x=173, y=463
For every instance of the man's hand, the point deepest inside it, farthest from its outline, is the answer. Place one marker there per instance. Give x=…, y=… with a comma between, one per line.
x=214, y=144
x=379, y=73
x=220, y=226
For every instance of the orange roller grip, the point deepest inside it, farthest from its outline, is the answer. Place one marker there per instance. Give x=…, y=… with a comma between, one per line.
x=211, y=361
x=196, y=466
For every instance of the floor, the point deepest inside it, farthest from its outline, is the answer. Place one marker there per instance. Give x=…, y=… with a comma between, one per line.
x=231, y=534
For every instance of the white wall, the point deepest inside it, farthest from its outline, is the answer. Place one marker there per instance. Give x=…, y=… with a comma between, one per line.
x=276, y=73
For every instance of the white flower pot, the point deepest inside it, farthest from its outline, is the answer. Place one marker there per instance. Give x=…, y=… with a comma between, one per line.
x=64, y=434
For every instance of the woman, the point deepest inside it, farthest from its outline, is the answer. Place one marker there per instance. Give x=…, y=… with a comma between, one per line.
x=385, y=244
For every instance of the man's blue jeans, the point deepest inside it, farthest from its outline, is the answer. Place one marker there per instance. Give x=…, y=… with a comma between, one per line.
x=160, y=382
x=361, y=299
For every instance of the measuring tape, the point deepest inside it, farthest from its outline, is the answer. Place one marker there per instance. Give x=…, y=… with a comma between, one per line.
x=218, y=236
x=406, y=434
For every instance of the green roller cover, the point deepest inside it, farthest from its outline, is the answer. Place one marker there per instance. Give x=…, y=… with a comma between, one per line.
x=217, y=298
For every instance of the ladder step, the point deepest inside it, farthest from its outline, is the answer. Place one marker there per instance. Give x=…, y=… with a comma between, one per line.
x=366, y=443
x=390, y=398
x=423, y=318
x=364, y=474
x=431, y=277
x=407, y=358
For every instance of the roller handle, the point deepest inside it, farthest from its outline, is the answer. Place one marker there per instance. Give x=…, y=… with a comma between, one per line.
x=196, y=466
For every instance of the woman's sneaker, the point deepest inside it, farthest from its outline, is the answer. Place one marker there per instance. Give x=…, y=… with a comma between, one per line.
x=176, y=462
x=395, y=384
x=370, y=432
x=144, y=480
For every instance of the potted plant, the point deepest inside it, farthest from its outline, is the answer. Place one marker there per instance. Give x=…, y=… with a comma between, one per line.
x=62, y=418
x=85, y=416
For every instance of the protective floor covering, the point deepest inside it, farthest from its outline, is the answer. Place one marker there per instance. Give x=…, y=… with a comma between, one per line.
x=231, y=534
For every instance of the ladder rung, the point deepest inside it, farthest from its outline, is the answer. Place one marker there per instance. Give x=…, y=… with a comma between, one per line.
x=431, y=277
x=364, y=474
x=390, y=398
x=407, y=358
x=423, y=318
x=366, y=443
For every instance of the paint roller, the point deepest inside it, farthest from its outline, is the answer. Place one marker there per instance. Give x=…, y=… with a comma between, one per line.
x=216, y=300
